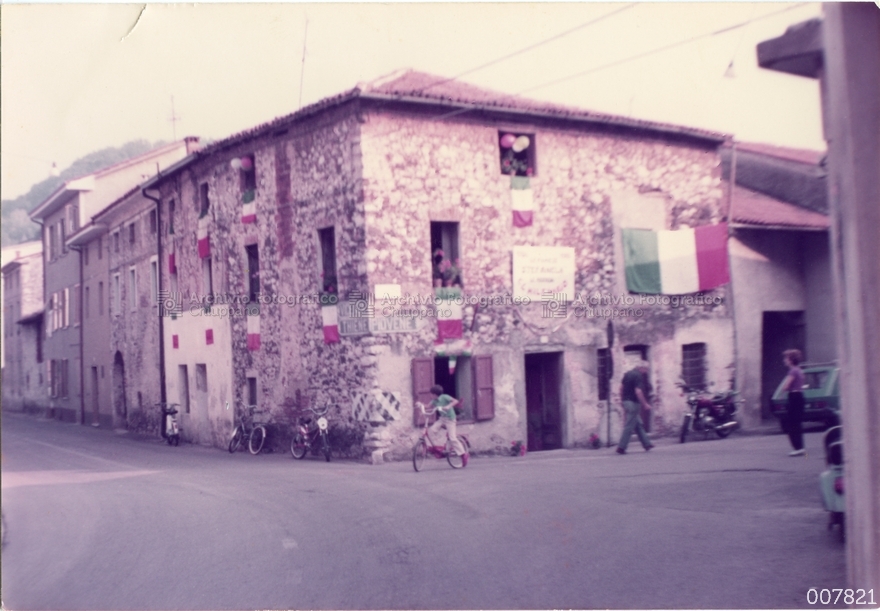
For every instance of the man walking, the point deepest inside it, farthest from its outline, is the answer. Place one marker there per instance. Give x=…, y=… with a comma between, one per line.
x=634, y=393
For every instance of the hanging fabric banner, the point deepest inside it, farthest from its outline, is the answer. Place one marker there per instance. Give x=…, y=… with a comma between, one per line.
x=676, y=262
x=330, y=322
x=253, y=332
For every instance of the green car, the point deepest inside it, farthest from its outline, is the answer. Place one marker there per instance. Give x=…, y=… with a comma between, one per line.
x=821, y=395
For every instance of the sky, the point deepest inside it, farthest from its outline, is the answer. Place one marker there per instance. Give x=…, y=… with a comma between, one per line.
x=77, y=78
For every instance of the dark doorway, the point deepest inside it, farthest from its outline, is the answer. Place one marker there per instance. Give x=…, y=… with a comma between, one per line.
x=119, y=402
x=543, y=404
x=96, y=417
x=780, y=331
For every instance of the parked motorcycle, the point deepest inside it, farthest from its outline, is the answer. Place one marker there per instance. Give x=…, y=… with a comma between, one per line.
x=709, y=412
x=831, y=480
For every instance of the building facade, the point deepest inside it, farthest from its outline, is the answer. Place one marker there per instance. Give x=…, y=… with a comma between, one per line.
x=63, y=214
x=23, y=368
x=302, y=258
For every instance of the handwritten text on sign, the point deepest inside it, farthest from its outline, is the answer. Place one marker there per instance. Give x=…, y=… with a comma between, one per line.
x=543, y=270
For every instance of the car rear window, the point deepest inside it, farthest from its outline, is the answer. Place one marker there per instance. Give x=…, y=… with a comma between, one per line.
x=815, y=379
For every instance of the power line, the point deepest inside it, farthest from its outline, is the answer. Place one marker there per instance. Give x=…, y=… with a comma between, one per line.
x=529, y=48
x=659, y=49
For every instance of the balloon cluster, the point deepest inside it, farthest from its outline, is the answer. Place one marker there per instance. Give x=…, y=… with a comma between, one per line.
x=517, y=143
x=243, y=163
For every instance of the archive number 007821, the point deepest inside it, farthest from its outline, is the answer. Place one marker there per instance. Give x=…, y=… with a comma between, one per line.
x=833, y=596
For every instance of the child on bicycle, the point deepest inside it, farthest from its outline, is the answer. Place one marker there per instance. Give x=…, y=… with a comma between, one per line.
x=445, y=406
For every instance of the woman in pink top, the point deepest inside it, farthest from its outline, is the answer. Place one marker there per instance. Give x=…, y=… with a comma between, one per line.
x=794, y=384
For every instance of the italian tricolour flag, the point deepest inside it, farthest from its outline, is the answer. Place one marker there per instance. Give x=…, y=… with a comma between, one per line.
x=330, y=323
x=253, y=332
x=676, y=262
x=204, y=239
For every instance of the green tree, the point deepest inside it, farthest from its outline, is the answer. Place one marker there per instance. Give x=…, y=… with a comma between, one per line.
x=17, y=226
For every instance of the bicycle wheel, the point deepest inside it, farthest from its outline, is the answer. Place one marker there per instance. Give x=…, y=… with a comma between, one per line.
x=420, y=453
x=456, y=461
x=325, y=446
x=298, y=447
x=258, y=438
x=237, y=436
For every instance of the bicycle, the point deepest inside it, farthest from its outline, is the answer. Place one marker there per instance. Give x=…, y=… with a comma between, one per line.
x=308, y=431
x=425, y=446
x=169, y=416
x=255, y=432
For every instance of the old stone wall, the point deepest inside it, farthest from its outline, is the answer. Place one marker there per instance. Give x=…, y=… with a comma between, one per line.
x=418, y=171
x=134, y=328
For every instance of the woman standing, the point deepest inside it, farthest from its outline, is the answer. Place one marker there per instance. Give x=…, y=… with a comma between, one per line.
x=794, y=384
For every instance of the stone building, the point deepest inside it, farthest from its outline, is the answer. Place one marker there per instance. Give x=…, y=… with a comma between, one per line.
x=22, y=327
x=300, y=257
x=62, y=214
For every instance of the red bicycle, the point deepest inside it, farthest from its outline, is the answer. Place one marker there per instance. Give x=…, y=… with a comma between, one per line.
x=425, y=446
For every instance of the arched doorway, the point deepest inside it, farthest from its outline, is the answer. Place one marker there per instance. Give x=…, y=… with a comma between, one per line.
x=120, y=408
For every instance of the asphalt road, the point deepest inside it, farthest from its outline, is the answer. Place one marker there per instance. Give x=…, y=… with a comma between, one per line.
x=98, y=520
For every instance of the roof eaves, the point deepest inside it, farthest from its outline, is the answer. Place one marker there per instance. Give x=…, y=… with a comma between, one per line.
x=60, y=195
x=568, y=115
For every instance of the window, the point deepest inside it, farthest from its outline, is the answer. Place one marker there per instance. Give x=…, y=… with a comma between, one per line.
x=517, y=153
x=87, y=303
x=248, y=174
x=204, y=204
x=154, y=224
x=252, y=391
x=132, y=288
x=445, y=260
x=634, y=352
x=115, y=295
x=132, y=233
x=154, y=280
x=471, y=382
x=100, y=299
x=327, y=243
x=207, y=279
x=183, y=388
x=64, y=378
x=77, y=300
x=116, y=241
x=171, y=216
x=73, y=218
x=65, y=308
x=693, y=365
x=100, y=248
x=201, y=377
x=604, y=371
x=253, y=272
x=63, y=236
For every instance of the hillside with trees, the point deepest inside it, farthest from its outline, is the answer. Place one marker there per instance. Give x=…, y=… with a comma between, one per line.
x=17, y=226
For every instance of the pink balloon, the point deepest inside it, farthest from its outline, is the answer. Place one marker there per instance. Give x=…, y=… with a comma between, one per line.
x=246, y=163
x=507, y=140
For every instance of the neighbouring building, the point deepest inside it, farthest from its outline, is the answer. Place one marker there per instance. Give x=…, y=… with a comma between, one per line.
x=22, y=327
x=780, y=267
x=119, y=250
x=302, y=260
x=61, y=215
